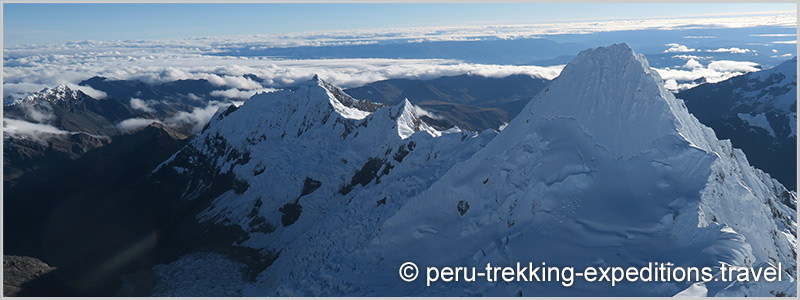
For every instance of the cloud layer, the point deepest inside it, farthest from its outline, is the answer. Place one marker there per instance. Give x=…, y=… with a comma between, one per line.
x=29, y=73
x=29, y=68
x=687, y=76
x=194, y=119
x=37, y=132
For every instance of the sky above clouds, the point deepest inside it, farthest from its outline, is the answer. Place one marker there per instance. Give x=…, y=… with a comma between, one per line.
x=36, y=23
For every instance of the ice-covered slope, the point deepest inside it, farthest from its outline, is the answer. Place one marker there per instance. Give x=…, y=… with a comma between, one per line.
x=603, y=168
x=309, y=174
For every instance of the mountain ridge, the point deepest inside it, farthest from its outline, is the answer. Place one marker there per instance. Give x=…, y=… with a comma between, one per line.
x=550, y=179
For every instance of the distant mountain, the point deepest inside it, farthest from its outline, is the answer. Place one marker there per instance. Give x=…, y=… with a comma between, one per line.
x=169, y=96
x=70, y=110
x=54, y=125
x=61, y=123
x=468, y=101
x=757, y=112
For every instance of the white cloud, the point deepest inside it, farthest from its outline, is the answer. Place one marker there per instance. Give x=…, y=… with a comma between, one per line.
x=274, y=72
x=774, y=50
x=20, y=127
x=699, y=37
x=193, y=97
x=693, y=64
x=36, y=132
x=732, y=50
x=239, y=94
x=236, y=82
x=733, y=66
x=419, y=111
x=142, y=105
x=716, y=71
x=786, y=42
x=134, y=124
x=678, y=48
x=687, y=57
x=19, y=90
x=775, y=34
x=41, y=112
x=197, y=118
x=88, y=91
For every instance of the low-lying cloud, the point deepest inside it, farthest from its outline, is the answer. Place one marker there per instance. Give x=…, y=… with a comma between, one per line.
x=89, y=91
x=134, y=124
x=195, y=119
x=716, y=71
x=36, y=132
x=240, y=94
x=733, y=66
x=227, y=72
x=419, y=111
x=143, y=105
x=678, y=48
x=734, y=50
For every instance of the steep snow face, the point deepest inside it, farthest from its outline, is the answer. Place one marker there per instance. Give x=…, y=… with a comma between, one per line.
x=613, y=95
x=313, y=172
x=603, y=168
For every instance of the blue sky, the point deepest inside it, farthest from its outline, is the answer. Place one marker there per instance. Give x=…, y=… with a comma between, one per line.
x=58, y=23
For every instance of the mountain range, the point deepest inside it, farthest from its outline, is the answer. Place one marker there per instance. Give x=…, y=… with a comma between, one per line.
x=311, y=191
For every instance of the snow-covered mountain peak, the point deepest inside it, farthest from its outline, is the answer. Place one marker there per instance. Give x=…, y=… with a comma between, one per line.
x=772, y=89
x=605, y=159
x=60, y=93
x=348, y=106
x=318, y=101
x=788, y=68
x=613, y=94
x=409, y=120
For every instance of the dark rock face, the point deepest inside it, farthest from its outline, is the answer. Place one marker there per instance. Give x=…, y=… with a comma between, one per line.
x=463, y=207
x=19, y=271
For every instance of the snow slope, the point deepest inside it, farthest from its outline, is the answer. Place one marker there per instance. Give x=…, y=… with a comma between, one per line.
x=603, y=168
x=316, y=171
